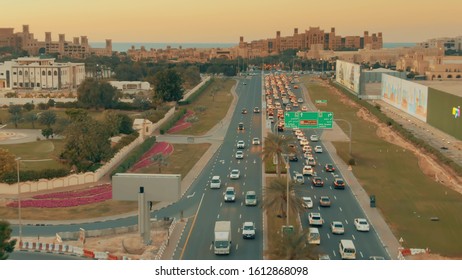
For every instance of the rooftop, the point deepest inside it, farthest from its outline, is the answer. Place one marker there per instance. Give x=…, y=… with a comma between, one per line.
x=452, y=87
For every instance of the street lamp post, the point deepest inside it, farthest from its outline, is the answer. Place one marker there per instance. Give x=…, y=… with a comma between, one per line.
x=19, y=200
x=349, y=124
x=287, y=190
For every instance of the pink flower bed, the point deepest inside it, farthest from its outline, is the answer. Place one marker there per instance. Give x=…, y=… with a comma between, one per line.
x=68, y=199
x=161, y=147
x=79, y=193
x=182, y=123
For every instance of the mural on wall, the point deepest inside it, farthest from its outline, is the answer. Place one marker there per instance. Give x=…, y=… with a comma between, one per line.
x=405, y=95
x=347, y=74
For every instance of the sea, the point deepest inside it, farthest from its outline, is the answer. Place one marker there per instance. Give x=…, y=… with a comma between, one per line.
x=124, y=46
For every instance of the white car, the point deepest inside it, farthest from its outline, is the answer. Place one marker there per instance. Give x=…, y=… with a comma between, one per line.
x=307, y=170
x=361, y=224
x=315, y=219
x=215, y=183
x=318, y=149
x=337, y=227
x=298, y=178
x=230, y=194
x=235, y=174
x=307, y=202
x=248, y=230
x=311, y=161
x=307, y=148
x=304, y=108
x=307, y=155
x=300, y=100
x=240, y=144
x=239, y=155
x=304, y=142
x=314, y=138
x=256, y=141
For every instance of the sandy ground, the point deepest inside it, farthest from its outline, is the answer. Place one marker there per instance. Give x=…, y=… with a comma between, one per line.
x=123, y=245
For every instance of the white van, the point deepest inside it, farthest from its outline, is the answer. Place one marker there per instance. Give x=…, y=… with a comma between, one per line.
x=313, y=236
x=215, y=183
x=347, y=249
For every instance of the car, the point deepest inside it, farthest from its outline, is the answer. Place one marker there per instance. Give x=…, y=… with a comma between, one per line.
x=307, y=155
x=339, y=183
x=311, y=161
x=324, y=201
x=230, y=194
x=304, y=142
x=215, y=183
x=235, y=174
x=318, y=149
x=239, y=155
x=248, y=230
x=307, y=202
x=295, y=87
x=240, y=144
x=361, y=224
x=300, y=100
x=256, y=141
x=293, y=157
x=324, y=257
x=314, y=138
x=280, y=128
x=256, y=110
x=304, y=108
x=329, y=167
x=298, y=178
x=317, y=182
x=315, y=219
x=377, y=258
x=240, y=126
x=250, y=198
x=307, y=170
x=337, y=227
x=244, y=83
x=244, y=111
x=307, y=148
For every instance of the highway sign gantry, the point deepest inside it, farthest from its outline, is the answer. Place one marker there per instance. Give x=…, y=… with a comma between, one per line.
x=317, y=120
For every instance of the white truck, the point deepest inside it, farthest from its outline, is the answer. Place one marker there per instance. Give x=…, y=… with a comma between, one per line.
x=222, y=241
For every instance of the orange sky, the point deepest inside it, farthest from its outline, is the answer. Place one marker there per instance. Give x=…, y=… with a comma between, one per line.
x=224, y=21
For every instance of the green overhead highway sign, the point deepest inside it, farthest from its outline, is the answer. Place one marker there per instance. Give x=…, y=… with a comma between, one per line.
x=322, y=120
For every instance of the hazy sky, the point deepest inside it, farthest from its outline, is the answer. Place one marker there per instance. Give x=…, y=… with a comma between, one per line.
x=224, y=21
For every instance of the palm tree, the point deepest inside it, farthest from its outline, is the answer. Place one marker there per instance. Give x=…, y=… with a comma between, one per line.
x=292, y=247
x=160, y=159
x=276, y=146
x=276, y=197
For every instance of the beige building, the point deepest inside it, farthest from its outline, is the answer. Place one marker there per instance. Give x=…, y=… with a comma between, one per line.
x=40, y=73
x=77, y=48
x=313, y=38
x=179, y=54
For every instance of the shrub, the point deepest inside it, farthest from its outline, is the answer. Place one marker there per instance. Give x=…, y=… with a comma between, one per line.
x=134, y=156
x=172, y=121
x=32, y=175
x=352, y=161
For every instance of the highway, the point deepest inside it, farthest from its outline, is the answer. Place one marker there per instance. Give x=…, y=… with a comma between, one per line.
x=197, y=244
x=344, y=207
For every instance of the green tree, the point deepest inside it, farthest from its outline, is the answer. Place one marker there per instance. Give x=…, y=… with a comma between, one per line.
x=276, y=197
x=60, y=125
x=87, y=143
x=16, y=114
x=31, y=117
x=292, y=247
x=48, y=118
x=77, y=114
x=6, y=244
x=126, y=124
x=160, y=159
x=7, y=162
x=47, y=132
x=276, y=146
x=43, y=106
x=51, y=103
x=97, y=94
x=169, y=85
x=28, y=107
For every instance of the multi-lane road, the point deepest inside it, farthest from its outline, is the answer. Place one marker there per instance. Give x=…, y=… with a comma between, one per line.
x=205, y=206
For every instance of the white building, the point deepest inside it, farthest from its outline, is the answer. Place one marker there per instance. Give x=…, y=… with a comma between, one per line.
x=130, y=86
x=40, y=73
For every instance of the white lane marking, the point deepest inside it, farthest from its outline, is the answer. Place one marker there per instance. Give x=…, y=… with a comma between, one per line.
x=328, y=236
x=346, y=221
x=211, y=246
x=334, y=253
x=361, y=253
x=240, y=216
x=191, y=195
x=218, y=216
x=352, y=236
x=237, y=246
x=340, y=209
x=335, y=197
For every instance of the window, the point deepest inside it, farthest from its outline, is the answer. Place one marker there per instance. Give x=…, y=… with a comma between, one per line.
x=38, y=84
x=25, y=73
x=43, y=73
x=55, y=73
x=20, y=72
x=20, y=84
x=49, y=73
